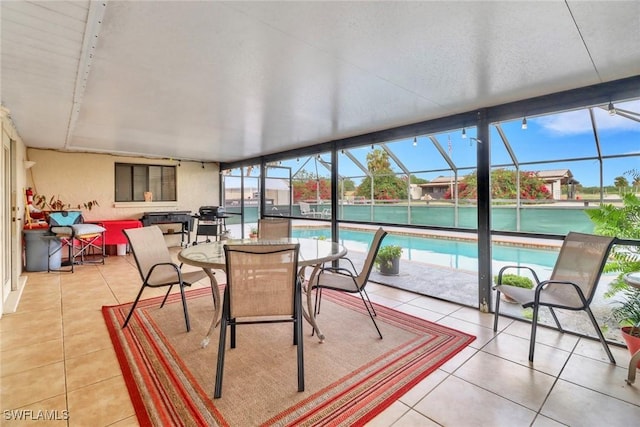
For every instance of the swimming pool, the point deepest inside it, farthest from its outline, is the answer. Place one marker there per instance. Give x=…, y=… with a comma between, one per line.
x=443, y=252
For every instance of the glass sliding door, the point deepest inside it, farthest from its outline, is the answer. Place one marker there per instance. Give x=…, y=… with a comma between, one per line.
x=241, y=199
x=278, y=185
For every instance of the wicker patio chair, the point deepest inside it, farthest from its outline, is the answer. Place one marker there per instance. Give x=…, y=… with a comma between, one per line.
x=262, y=287
x=156, y=267
x=571, y=286
x=345, y=280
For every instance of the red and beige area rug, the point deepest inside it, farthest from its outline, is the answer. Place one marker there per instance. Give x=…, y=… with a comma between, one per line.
x=349, y=379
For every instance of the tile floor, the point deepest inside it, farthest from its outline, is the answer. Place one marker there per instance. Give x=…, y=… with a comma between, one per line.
x=56, y=356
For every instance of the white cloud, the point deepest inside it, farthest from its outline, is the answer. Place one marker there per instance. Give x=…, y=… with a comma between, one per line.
x=579, y=122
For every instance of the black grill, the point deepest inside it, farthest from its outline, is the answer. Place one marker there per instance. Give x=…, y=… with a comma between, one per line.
x=210, y=213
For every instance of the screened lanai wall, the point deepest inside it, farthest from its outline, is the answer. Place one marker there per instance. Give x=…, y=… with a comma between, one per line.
x=538, y=179
x=543, y=177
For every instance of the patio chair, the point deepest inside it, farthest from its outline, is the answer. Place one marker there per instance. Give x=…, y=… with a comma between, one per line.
x=307, y=210
x=85, y=241
x=262, y=287
x=345, y=280
x=274, y=228
x=571, y=286
x=156, y=267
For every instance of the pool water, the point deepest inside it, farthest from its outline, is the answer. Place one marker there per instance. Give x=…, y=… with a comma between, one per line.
x=443, y=252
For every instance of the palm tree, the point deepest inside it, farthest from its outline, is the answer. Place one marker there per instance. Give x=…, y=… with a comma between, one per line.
x=385, y=183
x=621, y=183
x=378, y=162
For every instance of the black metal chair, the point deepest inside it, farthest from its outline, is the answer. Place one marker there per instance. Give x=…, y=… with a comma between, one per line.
x=345, y=280
x=262, y=287
x=156, y=267
x=571, y=286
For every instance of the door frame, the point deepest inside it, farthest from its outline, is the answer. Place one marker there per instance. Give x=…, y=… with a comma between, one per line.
x=5, y=217
x=10, y=225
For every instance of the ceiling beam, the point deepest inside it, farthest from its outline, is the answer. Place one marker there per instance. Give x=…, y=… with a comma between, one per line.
x=95, y=17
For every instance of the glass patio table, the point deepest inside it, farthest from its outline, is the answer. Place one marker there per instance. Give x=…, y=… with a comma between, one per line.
x=210, y=256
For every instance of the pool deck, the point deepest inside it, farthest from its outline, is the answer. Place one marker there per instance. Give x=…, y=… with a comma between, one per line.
x=471, y=236
x=461, y=286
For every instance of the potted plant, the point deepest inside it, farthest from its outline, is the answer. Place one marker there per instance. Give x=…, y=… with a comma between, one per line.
x=622, y=222
x=253, y=232
x=514, y=280
x=54, y=203
x=388, y=260
x=628, y=316
x=41, y=206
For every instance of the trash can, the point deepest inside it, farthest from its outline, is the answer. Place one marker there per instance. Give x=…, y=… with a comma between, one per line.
x=121, y=249
x=39, y=244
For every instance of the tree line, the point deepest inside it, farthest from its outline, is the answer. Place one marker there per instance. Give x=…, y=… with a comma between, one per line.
x=387, y=185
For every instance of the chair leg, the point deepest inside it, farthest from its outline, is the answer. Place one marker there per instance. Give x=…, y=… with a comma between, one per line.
x=316, y=307
x=184, y=307
x=293, y=318
x=232, y=326
x=300, y=355
x=369, y=300
x=70, y=252
x=534, y=325
x=217, y=393
x=496, y=313
x=72, y=258
x=599, y=332
x=370, y=313
x=295, y=331
x=318, y=300
x=166, y=296
x=555, y=318
x=88, y=245
x=299, y=340
x=63, y=242
x=135, y=302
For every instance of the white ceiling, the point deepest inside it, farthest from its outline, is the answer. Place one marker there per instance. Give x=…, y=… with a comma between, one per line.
x=223, y=81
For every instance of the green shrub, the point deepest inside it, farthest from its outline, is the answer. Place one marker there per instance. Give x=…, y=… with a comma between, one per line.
x=515, y=280
x=628, y=312
x=622, y=222
x=387, y=254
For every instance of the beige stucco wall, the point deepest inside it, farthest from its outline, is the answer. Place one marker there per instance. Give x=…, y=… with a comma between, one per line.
x=80, y=177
